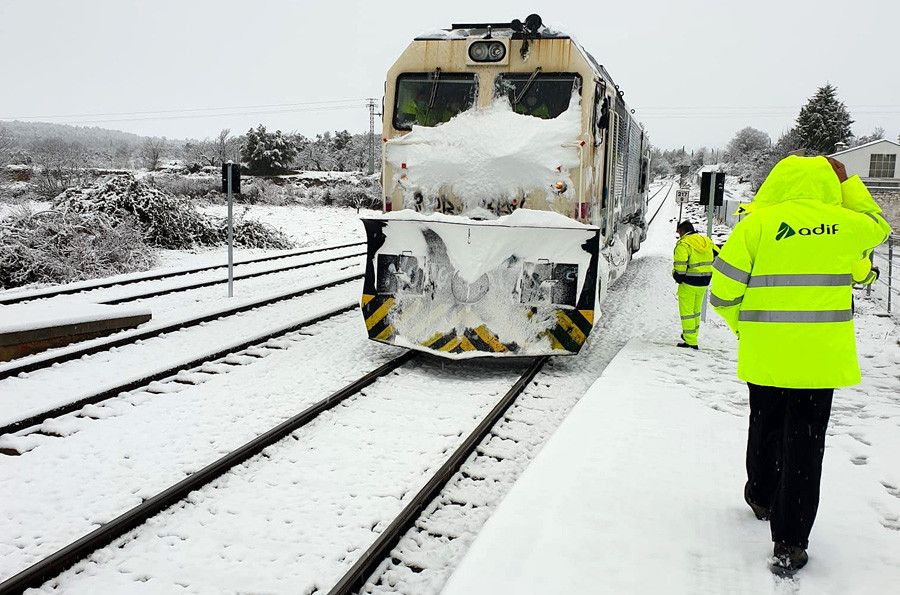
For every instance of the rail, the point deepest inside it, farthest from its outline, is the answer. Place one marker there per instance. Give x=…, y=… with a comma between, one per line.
x=17, y=297
x=38, y=573
x=39, y=361
x=104, y=395
x=356, y=577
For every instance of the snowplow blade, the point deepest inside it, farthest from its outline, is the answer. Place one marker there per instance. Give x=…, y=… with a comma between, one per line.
x=462, y=288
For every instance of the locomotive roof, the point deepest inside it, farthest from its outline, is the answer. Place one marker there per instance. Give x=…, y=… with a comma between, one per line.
x=465, y=30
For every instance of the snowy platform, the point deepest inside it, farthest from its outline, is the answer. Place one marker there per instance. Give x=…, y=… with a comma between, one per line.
x=30, y=328
x=640, y=491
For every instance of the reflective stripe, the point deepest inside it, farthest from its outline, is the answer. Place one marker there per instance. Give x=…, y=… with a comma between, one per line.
x=689, y=316
x=732, y=272
x=869, y=278
x=680, y=262
x=836, y=280
x=872, y=217
x=715, y=300
x=796, y=315
x=707, y=275
x=700, y=264
x=690, y=332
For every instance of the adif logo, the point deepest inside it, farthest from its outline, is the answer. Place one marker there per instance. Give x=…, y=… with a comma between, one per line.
x=786, y=231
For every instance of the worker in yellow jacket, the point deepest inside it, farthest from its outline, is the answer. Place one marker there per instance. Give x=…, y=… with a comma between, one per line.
x=692, y=270
x=783, y=284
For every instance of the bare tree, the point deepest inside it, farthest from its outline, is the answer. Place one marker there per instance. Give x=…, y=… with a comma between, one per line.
x=123, y=153
x=6, y=145
x=61, y=165
x=223, y=146
x=152, y=152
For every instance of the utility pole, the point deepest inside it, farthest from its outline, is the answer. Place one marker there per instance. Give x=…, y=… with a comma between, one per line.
x=370, y=103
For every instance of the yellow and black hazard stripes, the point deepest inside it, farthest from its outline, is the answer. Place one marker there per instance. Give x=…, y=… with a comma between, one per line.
x=571, y=330
x=375, y=310
x=477, y=339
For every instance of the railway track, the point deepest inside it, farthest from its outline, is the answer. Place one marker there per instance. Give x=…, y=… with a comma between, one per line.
x=65, y=354
x=17, y=298
x=38, y=573
x=661, y=203
x=167, y=374
x=45, y=569
x=210, y=283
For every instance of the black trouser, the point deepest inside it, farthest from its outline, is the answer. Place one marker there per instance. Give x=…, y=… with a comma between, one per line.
x=785, y=446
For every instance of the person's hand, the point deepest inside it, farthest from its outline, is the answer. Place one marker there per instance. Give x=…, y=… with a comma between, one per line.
x=838, y=168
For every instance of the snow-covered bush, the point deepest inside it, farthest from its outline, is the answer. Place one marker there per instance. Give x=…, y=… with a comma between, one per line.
x=165, y=221
x=350, y=195
x=266, y=152
x=250, y=233
x=191, y=187
x=59, y=247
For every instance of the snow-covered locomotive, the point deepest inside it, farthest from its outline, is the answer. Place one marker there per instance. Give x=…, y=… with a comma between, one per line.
x=515, y=191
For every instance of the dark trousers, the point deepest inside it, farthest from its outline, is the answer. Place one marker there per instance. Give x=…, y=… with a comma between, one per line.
x=785, y=446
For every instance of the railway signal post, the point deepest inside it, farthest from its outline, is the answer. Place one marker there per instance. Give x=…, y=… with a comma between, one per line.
x=712, y=194
x=231, y=182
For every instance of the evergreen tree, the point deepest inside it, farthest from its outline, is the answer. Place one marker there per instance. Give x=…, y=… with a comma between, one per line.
x=824, y=121
x=267, y=153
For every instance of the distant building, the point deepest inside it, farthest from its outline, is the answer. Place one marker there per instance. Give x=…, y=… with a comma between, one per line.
x=876, y=162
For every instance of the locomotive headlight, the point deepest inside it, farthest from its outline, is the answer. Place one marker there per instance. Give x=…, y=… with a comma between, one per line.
x=487, y=51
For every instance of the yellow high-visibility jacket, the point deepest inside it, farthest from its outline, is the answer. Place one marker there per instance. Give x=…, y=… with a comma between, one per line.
x=783, y=279
x=693, y=259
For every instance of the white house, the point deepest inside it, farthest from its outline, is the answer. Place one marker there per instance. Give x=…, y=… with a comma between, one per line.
x=876, y=162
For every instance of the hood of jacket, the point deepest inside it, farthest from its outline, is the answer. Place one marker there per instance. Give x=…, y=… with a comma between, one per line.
x=697, y=242
x=799, y=178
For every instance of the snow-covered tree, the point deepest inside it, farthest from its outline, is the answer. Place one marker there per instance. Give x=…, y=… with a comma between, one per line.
x=824, y=121
x=266, y=152
x=747, y=142
x=787, y=143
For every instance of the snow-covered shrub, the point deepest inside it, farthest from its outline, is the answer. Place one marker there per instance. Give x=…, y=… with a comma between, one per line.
x=192, y=187
x=251, y=233
x=165, y=221
x=59, y=247
x=350, y=195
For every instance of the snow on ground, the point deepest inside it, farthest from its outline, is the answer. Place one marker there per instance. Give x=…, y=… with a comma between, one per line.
x=307, y=226
x=32, y=393
x=640, y=489
x=134, y=446
x=327, y=504
x=293, y=519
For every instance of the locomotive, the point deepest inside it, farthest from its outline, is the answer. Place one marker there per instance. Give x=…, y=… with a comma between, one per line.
x=514, y=183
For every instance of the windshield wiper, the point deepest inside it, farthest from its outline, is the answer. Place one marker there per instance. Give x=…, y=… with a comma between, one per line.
x=527, y=86
x=434, y=82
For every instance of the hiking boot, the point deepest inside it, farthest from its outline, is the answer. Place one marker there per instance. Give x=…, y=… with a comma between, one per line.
x=761, y=512
x=682, y=344
x=787, y=559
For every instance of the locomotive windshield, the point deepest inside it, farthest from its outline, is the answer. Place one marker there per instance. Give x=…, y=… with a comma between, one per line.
x=428, y=99
x=543, y=95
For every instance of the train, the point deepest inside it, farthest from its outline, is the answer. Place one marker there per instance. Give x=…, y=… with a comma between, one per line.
x=515, y=184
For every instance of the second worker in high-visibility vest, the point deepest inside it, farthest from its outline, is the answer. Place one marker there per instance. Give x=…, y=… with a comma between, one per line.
x=692, y=270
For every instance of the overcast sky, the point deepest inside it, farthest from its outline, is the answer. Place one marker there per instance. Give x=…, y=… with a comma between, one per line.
x=196, y=66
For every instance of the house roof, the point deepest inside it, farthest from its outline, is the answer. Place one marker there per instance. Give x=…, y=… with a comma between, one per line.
x=863, y=146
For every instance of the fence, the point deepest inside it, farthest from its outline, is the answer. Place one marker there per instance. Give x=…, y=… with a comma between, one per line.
x=886, y=289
